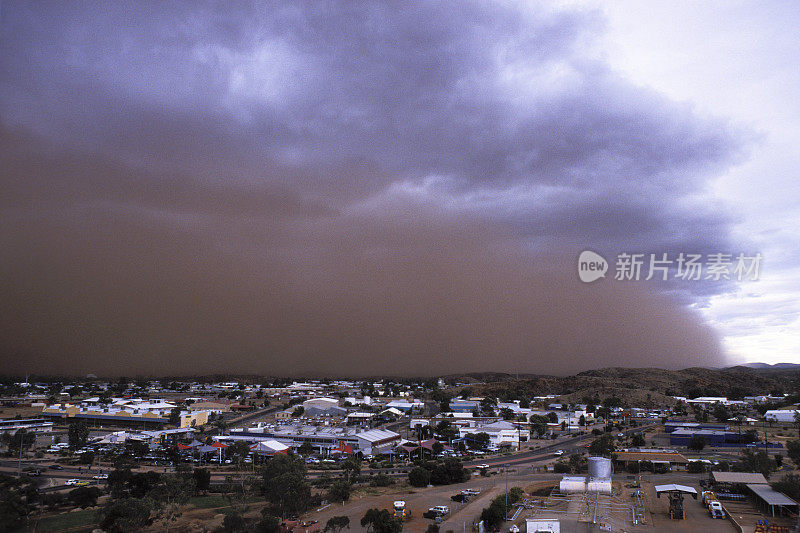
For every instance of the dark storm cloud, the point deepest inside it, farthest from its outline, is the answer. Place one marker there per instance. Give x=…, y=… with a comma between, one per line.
x=339, y=188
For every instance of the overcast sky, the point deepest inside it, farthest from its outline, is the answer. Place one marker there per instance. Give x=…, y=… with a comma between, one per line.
x=398, y=188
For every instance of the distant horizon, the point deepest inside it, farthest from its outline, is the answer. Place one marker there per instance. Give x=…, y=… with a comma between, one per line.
x=348, y=377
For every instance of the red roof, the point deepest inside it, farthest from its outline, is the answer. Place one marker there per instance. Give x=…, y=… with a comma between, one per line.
x=183, y=447
x=343, y=448
x=219, y=445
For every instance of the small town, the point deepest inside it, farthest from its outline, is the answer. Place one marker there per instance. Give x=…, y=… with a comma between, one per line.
x=385, y=455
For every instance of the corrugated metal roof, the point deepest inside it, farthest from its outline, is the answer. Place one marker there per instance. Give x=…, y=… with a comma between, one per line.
x=739, y=477
x=770, y=497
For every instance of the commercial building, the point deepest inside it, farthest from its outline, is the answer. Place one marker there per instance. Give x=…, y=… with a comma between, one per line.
x=31, y=425
x=325, y=439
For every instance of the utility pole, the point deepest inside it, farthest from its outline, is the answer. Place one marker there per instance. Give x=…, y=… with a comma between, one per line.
x=506, y=468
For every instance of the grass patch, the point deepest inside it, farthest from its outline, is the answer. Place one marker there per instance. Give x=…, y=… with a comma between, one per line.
x=213, y=501
x=60, y=522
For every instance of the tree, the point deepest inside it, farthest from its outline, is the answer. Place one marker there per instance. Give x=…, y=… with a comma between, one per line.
x=497, y=511
x=202, y=479
x=697, y=443
x=759, y=461
x=507, y=413
x=234, y=522
x=337, y=523
x=381, y=521
x=16, y=496
x=339, y=491
x=84, y=497
x=793, y=451
x=638, y=440
x=603, y=445
x=306, y=448
x=582, y=421
x=721, y=412
x=478, y=441
x=78, y=435
x=269, y=523
x=171, y=493
x=285, y=485
x=789, y=484
x=351, y=469
x=239, y=451
x=175, y=415
x=419, y=477
x=126, y=515
x=298, y=411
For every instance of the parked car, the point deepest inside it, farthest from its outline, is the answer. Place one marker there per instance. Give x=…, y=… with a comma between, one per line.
x=55, y=467
x=100, y=476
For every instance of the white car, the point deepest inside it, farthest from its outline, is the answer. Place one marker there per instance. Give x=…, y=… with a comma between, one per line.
x=71, y=482
x=558, y=453
x=470, y=492
x=440, y=509
x=100, y=476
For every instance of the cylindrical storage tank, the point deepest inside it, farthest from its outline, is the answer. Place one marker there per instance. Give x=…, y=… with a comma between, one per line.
x=570, y=484
x=599, y=467
x=602, y=485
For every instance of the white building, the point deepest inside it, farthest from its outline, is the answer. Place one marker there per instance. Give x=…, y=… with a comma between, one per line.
x=501, y=433
x=781, y=415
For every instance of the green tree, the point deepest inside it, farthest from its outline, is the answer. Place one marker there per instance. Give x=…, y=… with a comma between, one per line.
x=603, y=445
x=507, y=413
x=638, y=440
x=381, y=521
x=234, y=522
x=339, y=491
x=306, y=448
x=125, y=515
x=419, y=477
x=285, y=485
x=16, y=497
x=337, y=523
x=175, y=415
x=351, y=469
x=78, y=435
x=269, y=523
x=721, y=412
x=171, y=493
x=202, y=479
x=758, y=461
x=84, y=497
x=697, y=443
x=789, y=484
x=793, y=451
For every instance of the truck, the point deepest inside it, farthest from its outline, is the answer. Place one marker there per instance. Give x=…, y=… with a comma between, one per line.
x=716, y=510
x=713, y=505
x=400, y=509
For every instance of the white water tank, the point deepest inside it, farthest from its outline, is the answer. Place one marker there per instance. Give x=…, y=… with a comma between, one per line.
x=571, y=484
x=601, y=485
x=599, y=467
